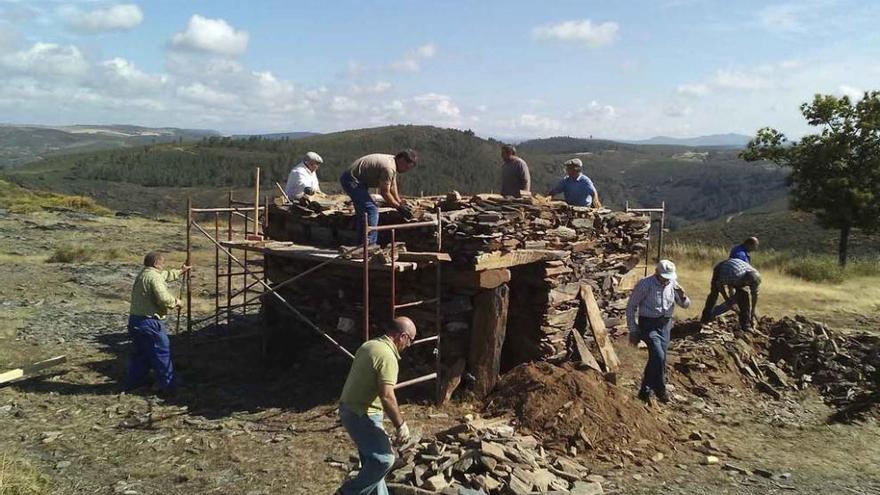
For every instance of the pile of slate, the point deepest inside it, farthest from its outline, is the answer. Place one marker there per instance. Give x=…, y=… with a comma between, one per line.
x=487, y=456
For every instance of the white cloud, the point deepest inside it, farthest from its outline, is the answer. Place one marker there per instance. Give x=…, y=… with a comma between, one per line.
x=532, y=123
x=376, y=88
x=211, y=35
x=442, y=105
x=675, y=109
x=596, y=109
x=692, y=89
x=123, y=76
x=412, y=60
x=582, y=31
x=201, y=94
x=735, y=79
x=47, y=60
x=122, y=17
x=855, y=94
x=784, y=17
x=343, y=104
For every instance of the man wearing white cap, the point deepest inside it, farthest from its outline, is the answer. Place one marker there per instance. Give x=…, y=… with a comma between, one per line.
x=303, y=178
x=577, y=188
x=655, y=298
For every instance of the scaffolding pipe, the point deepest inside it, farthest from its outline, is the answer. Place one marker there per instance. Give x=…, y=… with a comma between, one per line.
x=188, y=275
x=366, y=241
x=277, y=296
x=414, y=381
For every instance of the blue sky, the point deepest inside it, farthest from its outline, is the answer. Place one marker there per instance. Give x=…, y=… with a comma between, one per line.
x=511, y=69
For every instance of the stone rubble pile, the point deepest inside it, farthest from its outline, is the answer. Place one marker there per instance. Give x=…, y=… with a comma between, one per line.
x=487, y=456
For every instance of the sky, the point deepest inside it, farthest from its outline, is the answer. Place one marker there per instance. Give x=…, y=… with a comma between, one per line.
x=516, y=69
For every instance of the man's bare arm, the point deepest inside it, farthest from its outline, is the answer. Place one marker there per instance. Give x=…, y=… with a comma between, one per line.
x=387, y=194
x=389, y=404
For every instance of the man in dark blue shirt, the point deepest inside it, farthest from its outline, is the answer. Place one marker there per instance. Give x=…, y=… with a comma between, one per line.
x=741, y=251
x=577, y=188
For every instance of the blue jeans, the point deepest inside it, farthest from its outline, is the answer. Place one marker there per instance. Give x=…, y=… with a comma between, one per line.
x=150, y=349
x=655, y=333
x=363, y=203
x=374, y=449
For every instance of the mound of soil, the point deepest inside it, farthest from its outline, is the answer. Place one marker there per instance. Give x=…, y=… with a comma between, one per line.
x=566, y=407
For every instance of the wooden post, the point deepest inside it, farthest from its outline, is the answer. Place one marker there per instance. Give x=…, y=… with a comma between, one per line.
x=597, y=325
x=487, y=337
x=216, y=270
x=257, y=202
x=189, y=222
x=229, y=221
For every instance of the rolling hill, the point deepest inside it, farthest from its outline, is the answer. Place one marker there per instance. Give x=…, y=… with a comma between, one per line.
x=20, y=145
x=695, y=187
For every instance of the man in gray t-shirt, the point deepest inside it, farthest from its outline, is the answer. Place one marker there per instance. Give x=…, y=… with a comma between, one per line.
x=514, y=173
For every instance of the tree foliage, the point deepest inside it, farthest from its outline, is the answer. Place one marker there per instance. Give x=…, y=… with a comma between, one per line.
x=835, y=173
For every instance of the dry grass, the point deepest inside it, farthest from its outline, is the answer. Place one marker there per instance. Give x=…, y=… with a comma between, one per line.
x=844, y=304
x=20, y=200
x=17, y=477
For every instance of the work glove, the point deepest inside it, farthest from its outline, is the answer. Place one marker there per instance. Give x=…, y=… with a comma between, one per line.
x=405, y=211
x=402, y=437
x=308, y=191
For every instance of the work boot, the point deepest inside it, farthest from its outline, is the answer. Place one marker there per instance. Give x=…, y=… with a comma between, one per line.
x=663, y=397
x=644, y=395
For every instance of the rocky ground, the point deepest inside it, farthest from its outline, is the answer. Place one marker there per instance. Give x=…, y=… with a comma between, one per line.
x=249, y=424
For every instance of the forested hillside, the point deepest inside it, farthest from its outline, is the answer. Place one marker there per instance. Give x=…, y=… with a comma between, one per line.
x=713, y=184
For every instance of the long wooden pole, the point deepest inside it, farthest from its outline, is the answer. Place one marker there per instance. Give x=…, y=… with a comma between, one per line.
x=189, y=222
x=257, y=202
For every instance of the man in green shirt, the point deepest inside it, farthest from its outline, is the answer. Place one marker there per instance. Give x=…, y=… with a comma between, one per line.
x=150, y=302
x=367, y=395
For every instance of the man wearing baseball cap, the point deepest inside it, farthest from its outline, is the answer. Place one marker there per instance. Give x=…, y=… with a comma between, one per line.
x=655, y=298
x=576, y=187
x=303, y=178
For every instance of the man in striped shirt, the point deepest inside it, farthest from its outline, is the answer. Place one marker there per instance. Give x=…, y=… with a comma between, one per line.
x=736, y=275
x=655, y=298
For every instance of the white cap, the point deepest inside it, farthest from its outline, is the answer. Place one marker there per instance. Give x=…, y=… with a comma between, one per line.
x=574, y=162
x=666, y=269
x=313, y=157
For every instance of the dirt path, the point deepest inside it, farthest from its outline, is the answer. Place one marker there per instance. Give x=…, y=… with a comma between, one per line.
x=245, y=425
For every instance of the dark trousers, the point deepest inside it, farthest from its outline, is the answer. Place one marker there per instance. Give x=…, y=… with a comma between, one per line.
x=740, y=298
x=655, y=333
x=150, y=349
x=363, y=204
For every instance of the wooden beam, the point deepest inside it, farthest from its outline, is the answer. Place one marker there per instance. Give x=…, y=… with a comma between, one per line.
x=423, y=257
x=584, y=351
x=27, y=371
x=597, y=325
x=468, y=279
x=498, y=259
x=488, y=331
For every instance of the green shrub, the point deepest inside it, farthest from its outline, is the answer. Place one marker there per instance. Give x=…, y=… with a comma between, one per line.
x=71, y=254
x=815, y=269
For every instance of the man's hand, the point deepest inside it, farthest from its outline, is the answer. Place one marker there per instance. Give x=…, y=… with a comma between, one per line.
x=402, y=437
x=405, y=211
x=308, y=191
x=185, y=268
x=179, y=304
x=634, y=337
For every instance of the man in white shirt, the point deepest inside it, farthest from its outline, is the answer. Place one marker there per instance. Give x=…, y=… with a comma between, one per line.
x=655, y=298
x=303, y=178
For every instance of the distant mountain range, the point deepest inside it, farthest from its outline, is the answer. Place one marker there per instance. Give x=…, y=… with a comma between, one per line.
x=729, y=140
x=278, y=135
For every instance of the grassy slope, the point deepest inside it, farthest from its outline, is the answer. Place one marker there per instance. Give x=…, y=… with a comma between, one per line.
x=778, y=228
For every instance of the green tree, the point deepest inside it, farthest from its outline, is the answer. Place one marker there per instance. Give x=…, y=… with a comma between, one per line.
x=835, y=173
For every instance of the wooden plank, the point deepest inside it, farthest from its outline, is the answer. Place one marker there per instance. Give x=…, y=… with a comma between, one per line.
x=488, y=331
x=584, y=351
x=422, y=256
x=468, y=279
x=27, y=371
x=597, y=325
x=498, y=259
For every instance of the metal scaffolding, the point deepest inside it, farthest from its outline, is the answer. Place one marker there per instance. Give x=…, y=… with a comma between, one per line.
x=650, y=211
x=252, y=267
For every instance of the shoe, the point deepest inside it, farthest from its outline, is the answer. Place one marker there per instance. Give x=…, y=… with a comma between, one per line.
x=168, y=393
x=663, y=397
x=644, y=395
